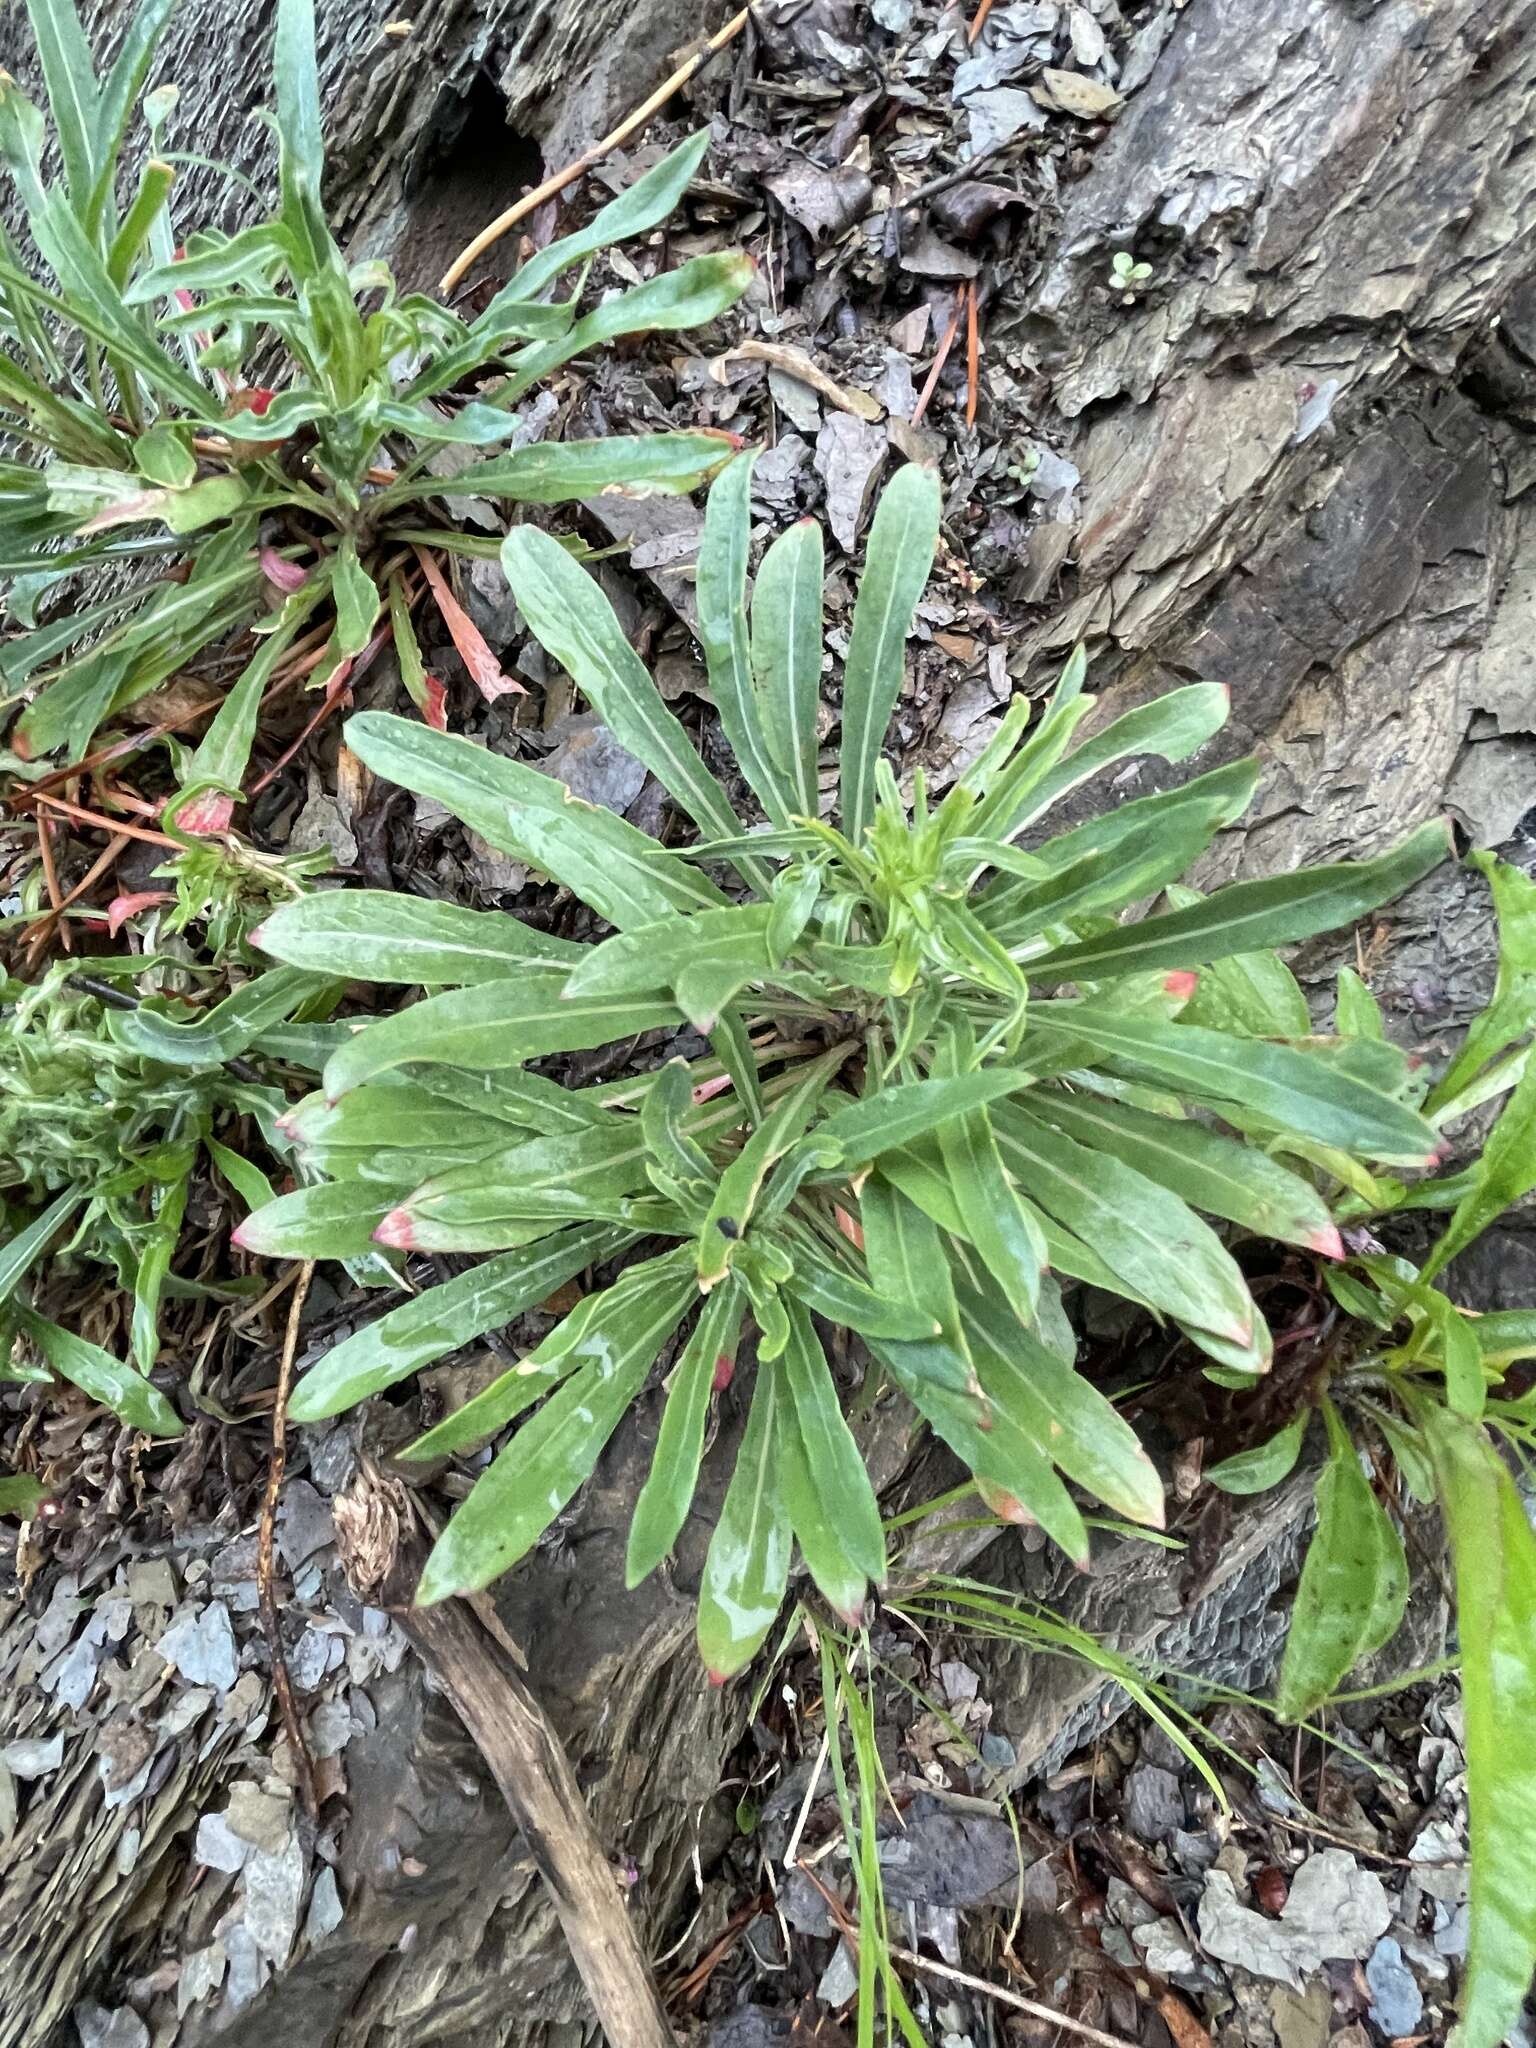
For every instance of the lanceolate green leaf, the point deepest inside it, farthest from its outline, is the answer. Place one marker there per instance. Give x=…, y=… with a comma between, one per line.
x=1505, y=1170
x=1121, y=857
x=831, y=1292
x=835, y=1462
x=988, y=1439
x=1051, y=1401
x=20, y=1253
x=1286, y=1089
x=106, y=1379
x=581, y=1339
x=222, y=1033
x=1357, y=1014
x=1172, y=727
x=574, y=622
x=898, y=557
x=1273, y=912
x=1002, y=1227
x=817, y=1530
x=504, y=1200
x=1254, y=995
x=741, y=1184
x=372, y=935
x=500, y=1024
x=1353, y=1585
x=624, y=874
x=690, y=296
x=528, y=1483
x=786, y=656
x=658, y=465
x=1265, y=1465
x=225, y=749
x=907, y=1265
x=70, y=76
x=1495, y=1558
x=895, y=1116
x=640, y=207
x=667, y=1494
x=732, y=944
x=442, y=1318
x=1512, y=1012
x=335, y=1219
x=721, y=586
x=1213, y=1173
x=747, y=1568
x=1139, y=1227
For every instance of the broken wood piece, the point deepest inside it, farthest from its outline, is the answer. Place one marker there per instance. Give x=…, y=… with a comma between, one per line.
x=794, y=363
x=525, y=1757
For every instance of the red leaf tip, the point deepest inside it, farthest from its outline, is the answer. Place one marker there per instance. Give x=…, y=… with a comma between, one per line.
x=1327, y=1243
x=1182, y=983
x=398, y=1230
x=725, y=1371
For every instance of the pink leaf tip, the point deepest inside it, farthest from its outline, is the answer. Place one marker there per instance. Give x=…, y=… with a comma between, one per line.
x=1181, y=983
x=1327, y=1243
x=280, y=572
x=121, y=908
x=207, y=815
x=725, y=1372
x=397, y=1230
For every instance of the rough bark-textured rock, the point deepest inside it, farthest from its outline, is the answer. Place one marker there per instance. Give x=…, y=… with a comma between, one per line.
x=432, y=131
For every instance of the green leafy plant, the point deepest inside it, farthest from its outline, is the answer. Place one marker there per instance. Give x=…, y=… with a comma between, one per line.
x=289, y=524
x=1127, y=276
x=942, y=1072
x=106, y=1113
x=1417, y=1387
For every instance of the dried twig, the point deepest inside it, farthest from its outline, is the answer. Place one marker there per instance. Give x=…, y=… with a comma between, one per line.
x=1032, y=2006
x=978, y=21
x=43, y=928
x=531, y=201
x=266, y=1596
x=51, y=874
x=931, y=380
x=849, y=1930
x=519, y=1743
x=81, y=816
x=972, y=355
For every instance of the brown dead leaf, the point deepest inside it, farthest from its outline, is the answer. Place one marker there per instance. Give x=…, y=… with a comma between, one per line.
x=798, y=365
x=1181, y=2022
x=823, y=201
x=1068, y=92
x=563, y=1300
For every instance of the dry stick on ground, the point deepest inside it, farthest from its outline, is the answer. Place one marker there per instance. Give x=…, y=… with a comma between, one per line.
x=530, y=201
x=266, y=1596
x=514, y=1735
x=972, y=355
x=43, y=928
x=930, y=382
x=849, y=1930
